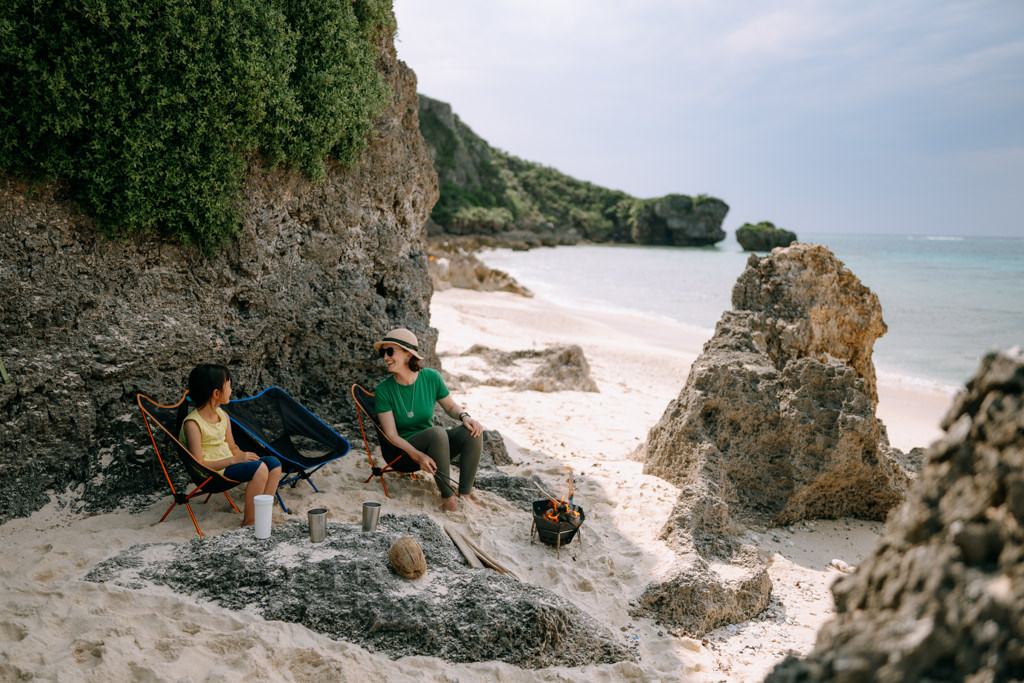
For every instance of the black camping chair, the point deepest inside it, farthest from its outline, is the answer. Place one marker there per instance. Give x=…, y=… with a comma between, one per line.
x=396, y=460
x=207, y=481
x=274, y=423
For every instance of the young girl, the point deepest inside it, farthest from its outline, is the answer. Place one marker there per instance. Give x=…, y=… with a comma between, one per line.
x=206, y=431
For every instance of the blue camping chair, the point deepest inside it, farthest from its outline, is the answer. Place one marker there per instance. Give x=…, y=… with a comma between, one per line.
x=274, y=423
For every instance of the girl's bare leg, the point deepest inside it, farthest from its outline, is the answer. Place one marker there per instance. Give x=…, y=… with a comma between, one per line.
x=254, y=488
x=273, y=479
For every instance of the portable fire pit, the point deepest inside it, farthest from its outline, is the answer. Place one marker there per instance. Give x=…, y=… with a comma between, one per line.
x=556, y=523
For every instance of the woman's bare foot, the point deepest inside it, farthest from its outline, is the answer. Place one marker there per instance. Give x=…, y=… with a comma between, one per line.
x=450, y=504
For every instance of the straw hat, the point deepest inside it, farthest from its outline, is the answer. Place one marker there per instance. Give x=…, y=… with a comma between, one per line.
x=400, y=337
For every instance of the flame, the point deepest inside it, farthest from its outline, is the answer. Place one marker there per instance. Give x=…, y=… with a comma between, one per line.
x=560, y=511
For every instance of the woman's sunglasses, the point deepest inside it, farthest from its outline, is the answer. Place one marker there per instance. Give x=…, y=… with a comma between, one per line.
x=389, y=351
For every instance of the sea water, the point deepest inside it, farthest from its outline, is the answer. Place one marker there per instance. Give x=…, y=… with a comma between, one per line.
x=946, y=300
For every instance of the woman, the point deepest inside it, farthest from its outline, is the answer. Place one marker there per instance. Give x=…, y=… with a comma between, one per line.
x=405, y=407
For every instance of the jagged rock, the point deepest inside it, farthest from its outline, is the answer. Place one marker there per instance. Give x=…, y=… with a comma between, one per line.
x=700, y=597
x=558, y=368
x=942, y=595
x=772, y=424
x=814, y=307
x=317, y=274
x=466, y=271
x=345, y=589
x=771, y=421
x=517, y=490
x=495, y=453
x=763, y=237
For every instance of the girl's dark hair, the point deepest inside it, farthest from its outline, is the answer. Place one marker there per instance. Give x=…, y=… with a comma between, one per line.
x=202, y=382
x=414, y=363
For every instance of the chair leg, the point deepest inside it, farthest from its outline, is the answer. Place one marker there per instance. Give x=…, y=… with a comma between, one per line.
x=229, y=500
x=192, y=515
x=168, y=511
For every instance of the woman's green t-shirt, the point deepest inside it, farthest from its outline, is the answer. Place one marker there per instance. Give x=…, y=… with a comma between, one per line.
x=413, y=405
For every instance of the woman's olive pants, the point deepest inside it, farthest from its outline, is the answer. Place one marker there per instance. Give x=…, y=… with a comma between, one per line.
x=453, y=446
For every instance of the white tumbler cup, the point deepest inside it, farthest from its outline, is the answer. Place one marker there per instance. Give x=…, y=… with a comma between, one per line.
x=264, y=506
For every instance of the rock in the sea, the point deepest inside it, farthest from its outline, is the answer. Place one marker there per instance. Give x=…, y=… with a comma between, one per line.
x=763, y=237
x=344, y=588
x=941, y=598
x=678, y=220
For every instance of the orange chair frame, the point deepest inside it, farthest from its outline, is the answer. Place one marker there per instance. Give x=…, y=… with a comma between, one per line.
x=399, y=462
x=206, y=480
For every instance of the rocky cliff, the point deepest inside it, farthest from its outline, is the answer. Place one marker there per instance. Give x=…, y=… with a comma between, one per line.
x=318, y=273
x=490, y=197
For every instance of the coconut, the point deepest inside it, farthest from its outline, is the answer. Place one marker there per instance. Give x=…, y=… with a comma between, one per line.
x=407, y=558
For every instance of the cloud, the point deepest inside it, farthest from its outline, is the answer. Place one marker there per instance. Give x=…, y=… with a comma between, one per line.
x=652, y=96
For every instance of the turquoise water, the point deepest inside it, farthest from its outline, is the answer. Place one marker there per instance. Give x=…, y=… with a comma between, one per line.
x=946, y=300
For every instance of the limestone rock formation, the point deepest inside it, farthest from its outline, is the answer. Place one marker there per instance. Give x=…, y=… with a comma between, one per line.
x=558, y=368
x=776, y=421
x=772, y=422
x=317, y=274
x=763, y=237
x=942, y=595
x=347, y=591
x=465, y=271
x=697, y=597
x=816, y=308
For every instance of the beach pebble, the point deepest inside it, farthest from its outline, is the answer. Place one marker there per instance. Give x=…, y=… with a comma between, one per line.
x=841, y=566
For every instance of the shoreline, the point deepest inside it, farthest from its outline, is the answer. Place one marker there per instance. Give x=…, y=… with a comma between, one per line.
x=911, y=410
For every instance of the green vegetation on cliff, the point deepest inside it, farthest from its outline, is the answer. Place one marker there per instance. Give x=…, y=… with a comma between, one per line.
x=148, y=109
x=487, y=191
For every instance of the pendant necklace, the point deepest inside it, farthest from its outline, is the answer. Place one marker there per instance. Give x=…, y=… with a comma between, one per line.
x=409, y=413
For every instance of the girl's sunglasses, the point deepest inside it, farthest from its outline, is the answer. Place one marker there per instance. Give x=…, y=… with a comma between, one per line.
x=389, y=351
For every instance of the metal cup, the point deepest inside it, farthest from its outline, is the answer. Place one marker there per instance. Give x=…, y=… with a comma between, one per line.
x=317, y=524
x=371, y=511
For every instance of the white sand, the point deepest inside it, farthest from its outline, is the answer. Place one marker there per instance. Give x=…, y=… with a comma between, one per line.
x=55, y=626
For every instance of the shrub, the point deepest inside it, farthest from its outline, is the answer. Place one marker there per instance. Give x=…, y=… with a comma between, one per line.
x=148, y=109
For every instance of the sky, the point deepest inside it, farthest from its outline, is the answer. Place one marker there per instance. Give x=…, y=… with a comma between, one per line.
x=847, y=116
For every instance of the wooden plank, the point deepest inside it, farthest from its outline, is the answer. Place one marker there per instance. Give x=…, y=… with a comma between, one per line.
x=464, y=548
x=488, y=561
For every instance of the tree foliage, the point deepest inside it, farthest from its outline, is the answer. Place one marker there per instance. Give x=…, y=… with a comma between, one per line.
x=148, y=109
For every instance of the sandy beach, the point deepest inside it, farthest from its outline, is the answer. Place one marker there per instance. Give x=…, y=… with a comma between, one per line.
x=56, y=626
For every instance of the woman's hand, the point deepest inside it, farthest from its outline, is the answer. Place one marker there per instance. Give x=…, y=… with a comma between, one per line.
x=474, y=427
x=425, y=462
